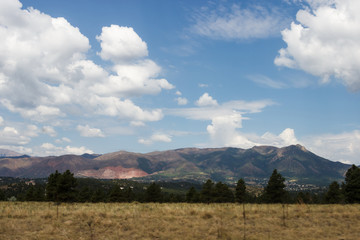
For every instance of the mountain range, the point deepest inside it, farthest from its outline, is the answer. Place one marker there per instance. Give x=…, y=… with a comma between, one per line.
x=220, y=164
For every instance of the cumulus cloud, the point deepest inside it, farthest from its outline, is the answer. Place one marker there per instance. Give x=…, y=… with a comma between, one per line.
x=120, y=44
x=343, y=147
x=234, y=22
x=49, y=131
x=49, y=149
x=45, y=75
x=1, y=121
x=158, y=137
x=86, y=131
x=181, y=101
x=206, y=100
x=325, y=42
x=11, y=136
x=63, y=140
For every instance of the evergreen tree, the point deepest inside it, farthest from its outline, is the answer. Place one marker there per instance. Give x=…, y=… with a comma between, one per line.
x=153, y=193
x=61, y=187
x=98, y=196
x=334, y=195
x=275, y=189
x=352, y=185
x=85, y=194
x=192, y=195
x=222, y=193
x=207, y=192
x=39, y=193
x=129, y=195
x=2, y=195
x=66, y=187
x=52, y=186
x=116, y=195
x=30, y=194
x=240, y=191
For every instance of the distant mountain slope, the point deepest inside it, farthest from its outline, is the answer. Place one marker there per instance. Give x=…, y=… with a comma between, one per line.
x=219, y=164
x=8, y=153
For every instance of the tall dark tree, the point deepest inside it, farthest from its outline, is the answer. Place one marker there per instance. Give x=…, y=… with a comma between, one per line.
x=153, y=193
x=222, y=193
x=240, y=191
x=30, y=194
x=61, y=187
x=207, y=192
x=275, y=190
x=52, y=186
x=116, y=195
x=85, y=194
x=98, y=196
x=334, y=195
x=2, y=195
x=352, y=185
x=192, y=196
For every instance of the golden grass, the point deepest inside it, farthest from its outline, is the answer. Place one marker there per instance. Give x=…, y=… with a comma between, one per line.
x=177, y=221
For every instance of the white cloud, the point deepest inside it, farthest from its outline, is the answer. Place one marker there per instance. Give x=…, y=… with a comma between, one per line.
x=133, y=79
x=181, y=101
x=32, y=131
x=1, y=121
x=234, y=22
x=49, y=131
x=158, y=137
x=225, y=109
x=44, y=73
x=325, y=42
x=86, y=131
x=49, y=149
x=343, y=147
x=178, y=93
x=206, y=100
x=11, y=136
x=203, y=85
x=63, y=140
x=121, y=44
x=266, y=81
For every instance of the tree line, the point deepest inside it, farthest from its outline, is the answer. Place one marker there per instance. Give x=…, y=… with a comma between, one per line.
x=64, y=187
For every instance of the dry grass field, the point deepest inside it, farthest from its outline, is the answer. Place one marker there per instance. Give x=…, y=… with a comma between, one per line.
x=19, y=220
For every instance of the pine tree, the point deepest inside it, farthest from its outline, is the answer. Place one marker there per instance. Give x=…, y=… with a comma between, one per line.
x=2, y=195
x=352, y=185
x=116, y=194
x=30, y=194
x=153, y=193
x=334, y=195
x=98, y=196
x=207, y=192
x=222, y=193
x=192, y=195
x=52, y=186
x=61, y=187
x=240, y=191
x=85, y=194
x=275, y=189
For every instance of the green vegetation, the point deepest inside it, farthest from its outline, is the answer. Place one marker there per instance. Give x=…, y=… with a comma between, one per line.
x=63, y=187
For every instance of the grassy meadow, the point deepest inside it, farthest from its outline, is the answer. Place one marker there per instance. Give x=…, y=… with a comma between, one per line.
x=39, y=220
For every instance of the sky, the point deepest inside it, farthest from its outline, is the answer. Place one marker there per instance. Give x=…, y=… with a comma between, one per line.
x=103, y=76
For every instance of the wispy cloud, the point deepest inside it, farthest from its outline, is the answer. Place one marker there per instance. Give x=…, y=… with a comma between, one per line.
x=266, y=81
x=231, y=22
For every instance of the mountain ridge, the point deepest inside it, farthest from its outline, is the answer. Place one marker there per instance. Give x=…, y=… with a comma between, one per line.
x=220, y=164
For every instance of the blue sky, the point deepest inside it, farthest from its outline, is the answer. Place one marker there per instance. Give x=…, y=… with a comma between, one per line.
x=102, y=76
